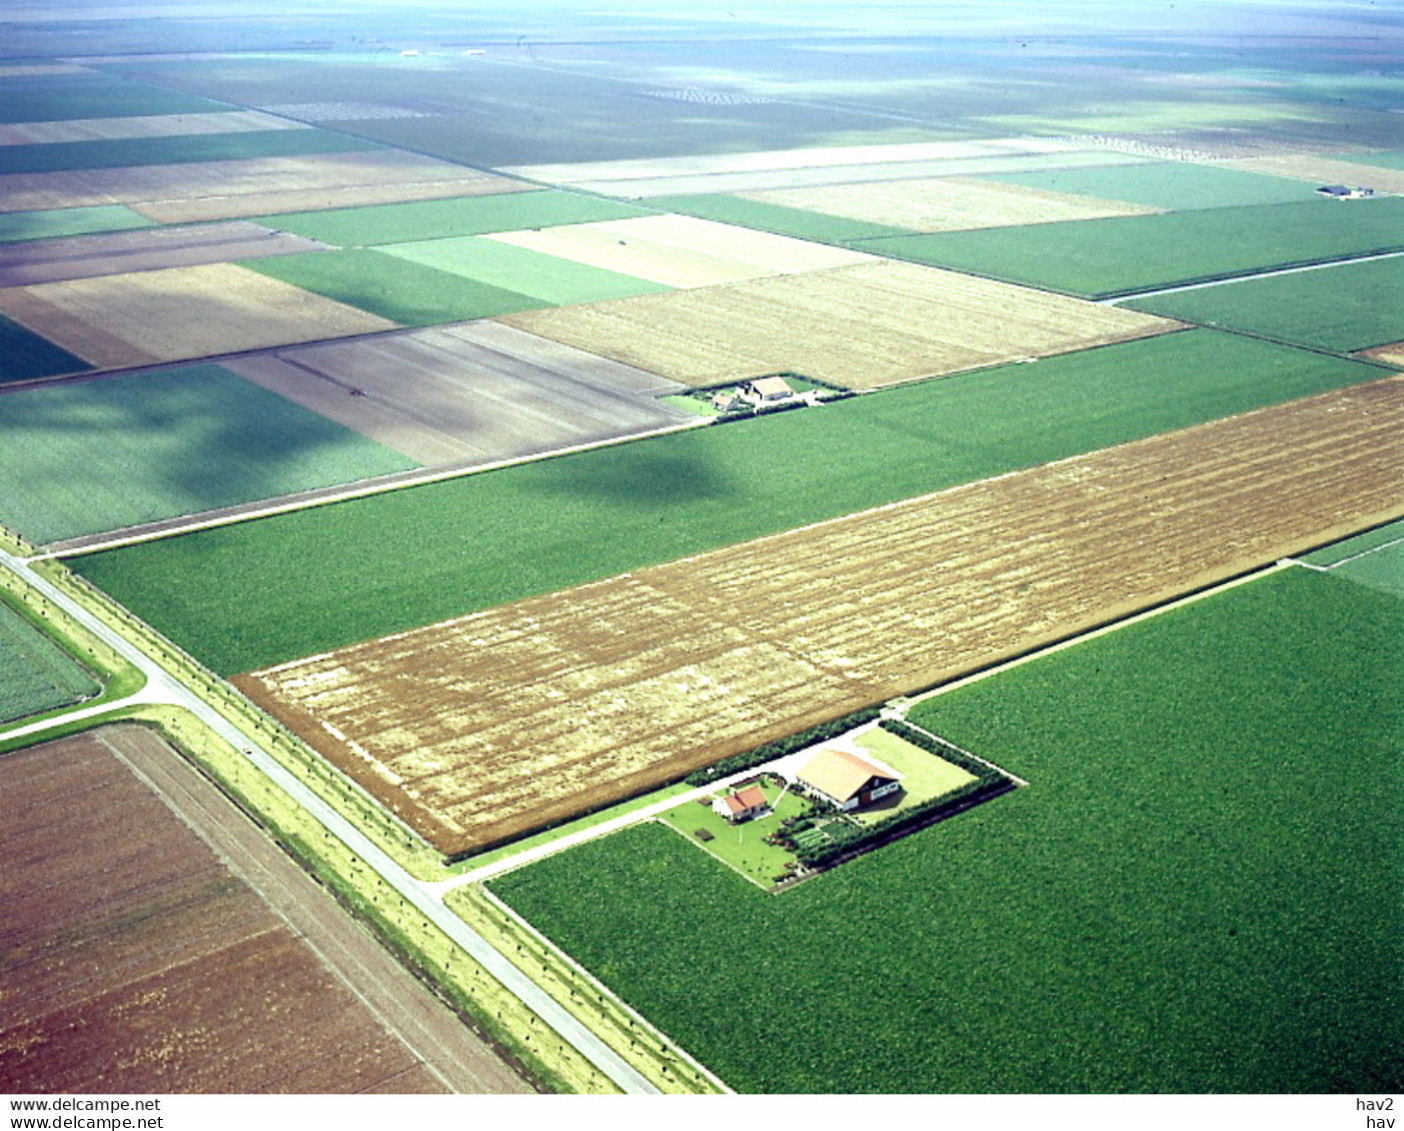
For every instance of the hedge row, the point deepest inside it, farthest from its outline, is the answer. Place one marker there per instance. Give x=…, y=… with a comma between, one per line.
x=781, y=746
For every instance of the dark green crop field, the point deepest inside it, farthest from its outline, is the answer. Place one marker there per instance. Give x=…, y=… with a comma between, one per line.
x=114, y=153
x=1125, y=254
x=24, y=355
x=89, y=456
x=247, y=596
x=777, y=218
x=409, y=293
x=60, y=98
x=1351, y=306
x=441, y=219
x=35, y=673
x=50, y=223
x=1177, y=185
x=1198, y=892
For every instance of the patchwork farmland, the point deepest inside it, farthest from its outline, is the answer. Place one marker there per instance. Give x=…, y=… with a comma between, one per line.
x=634, y=681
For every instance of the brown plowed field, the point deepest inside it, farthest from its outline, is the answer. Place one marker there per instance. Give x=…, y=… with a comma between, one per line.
x=179, y=313
x=1325, y=170
x=865, y=326
x=219, y=190
x=487, y=726
x=132, y=960
x=473, y=393
x=141, y=249
x=948, y=204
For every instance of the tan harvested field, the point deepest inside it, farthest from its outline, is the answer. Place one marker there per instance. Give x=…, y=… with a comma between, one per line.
x=682, y=251
x=865, y=326
x=1325, y=170
x=141, y=249
x=948, y=204
x=179, y=313
x=221, y=190
x=1392, y=354
x=474, y=393
x=136, y=962
x=490, y=725
x=156, y=125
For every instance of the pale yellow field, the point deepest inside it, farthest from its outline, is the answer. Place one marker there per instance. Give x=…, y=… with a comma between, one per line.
x=1325, y=170
x=179, y=313
x=682, y=251
x=158, y=125
x=863, y=327
x=487, y=726
x=947, y=204
x=1392, y=354
x=216, y=190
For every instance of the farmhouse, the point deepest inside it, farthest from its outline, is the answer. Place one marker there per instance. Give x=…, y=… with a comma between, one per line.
x=845, y=779
x=744, y=805
x=1345, y=192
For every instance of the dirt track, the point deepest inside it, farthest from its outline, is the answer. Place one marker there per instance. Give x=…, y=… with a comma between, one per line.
x=165, y=973
x=495, y=723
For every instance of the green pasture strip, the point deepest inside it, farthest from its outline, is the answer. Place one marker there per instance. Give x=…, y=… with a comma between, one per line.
x=246, y=596
x=549, y=278
x=417, y=220
x=1393, y=160
x=1381, y=568
x=61, y=98
x=1125, y=254
x=925, y=776
x=409, y=293
x=1198, y=893
x=88, y=456
x=778, y=218
x=115, y=153
x=36, y=675
x=1175, y=185
x=50, y=223
x=1349, y=547
x=1348, y=306
x=24, y=355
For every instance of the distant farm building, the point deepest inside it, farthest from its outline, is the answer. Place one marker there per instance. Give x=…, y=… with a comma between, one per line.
x=1345, y=192
x=744, y=805
x=846, y=780
x=768, y=390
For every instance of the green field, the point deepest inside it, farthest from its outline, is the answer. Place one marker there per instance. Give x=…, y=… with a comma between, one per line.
x=1351, y=306
x=417, y=220
x=778, y=218
x=54, y=222
x=59, y=98
x=547, y=278
x=1177, y=186
x=241, y=597
x=35, y=673
x=114, y=153
x=24, y=355
x=405, y=292
x=1125, y=254
x=1199, y=891
x=1383, y=160
x=88, y=456
x=1349, y=547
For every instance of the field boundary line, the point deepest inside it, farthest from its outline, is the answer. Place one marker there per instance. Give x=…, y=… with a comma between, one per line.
x=1115, y=626
x=1271, y=273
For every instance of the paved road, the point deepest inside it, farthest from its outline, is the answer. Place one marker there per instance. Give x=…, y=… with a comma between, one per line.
x=165, y=689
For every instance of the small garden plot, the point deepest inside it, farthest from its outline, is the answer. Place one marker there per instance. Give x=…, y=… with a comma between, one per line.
x=746, y=845
x=35, y=673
